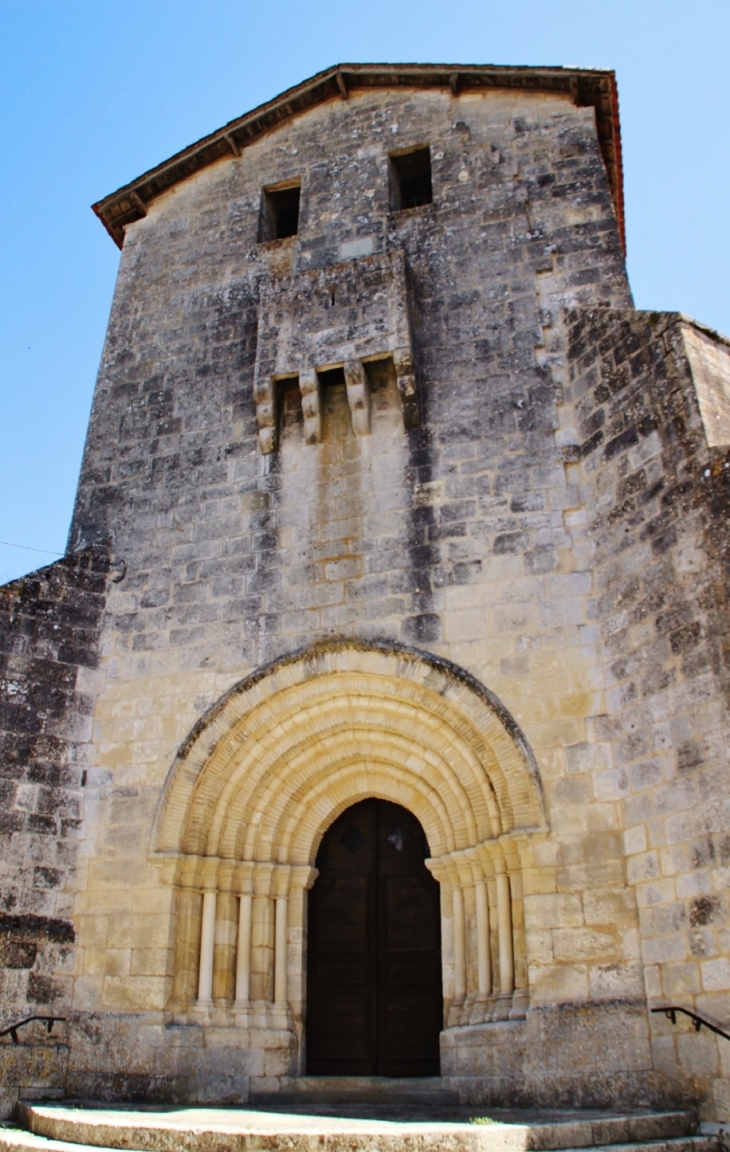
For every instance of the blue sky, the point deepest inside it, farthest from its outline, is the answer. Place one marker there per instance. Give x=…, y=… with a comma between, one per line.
x=93, y=92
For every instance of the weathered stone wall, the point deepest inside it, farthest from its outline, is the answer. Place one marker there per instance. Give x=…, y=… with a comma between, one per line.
x=492, y=521
x=656, y=504
x=450, y=536
x=50, y=623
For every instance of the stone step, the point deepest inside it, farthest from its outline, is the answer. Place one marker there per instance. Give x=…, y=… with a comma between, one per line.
x=18, y=1140
x=66, y=1129
x=323, y=1139
x=520, y=1129
x=426, y=1090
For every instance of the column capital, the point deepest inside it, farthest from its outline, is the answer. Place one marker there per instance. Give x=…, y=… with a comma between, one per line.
x=227, y=876
x=262, y=877
x=303, y=875
x=244, y=877
x=445, y=869
x=280, y=880
x=209, y=877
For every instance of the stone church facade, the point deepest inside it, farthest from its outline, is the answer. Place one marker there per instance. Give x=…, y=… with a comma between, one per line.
x=389, y=494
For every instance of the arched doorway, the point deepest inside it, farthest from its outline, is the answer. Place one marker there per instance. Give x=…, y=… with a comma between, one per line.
x=374, y=989
x=270, y=768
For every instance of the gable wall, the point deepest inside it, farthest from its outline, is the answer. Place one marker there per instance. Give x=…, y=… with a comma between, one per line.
x=466, y=536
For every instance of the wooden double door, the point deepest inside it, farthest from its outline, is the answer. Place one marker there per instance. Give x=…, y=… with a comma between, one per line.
x=374, y=994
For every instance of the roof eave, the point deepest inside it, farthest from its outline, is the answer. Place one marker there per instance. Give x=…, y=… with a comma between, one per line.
x=586, y=87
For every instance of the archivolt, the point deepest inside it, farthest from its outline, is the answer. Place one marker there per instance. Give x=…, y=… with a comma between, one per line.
x=269, y=767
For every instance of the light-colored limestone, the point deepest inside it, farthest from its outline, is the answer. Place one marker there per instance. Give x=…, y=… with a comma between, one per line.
x=569, y=823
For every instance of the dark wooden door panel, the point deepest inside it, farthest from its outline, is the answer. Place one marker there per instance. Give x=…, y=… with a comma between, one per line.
x=409, y=920
x=409, y=1031
x=340, y=1025
x=374, y=948
x=342, y=923
x=406, y=969
x=344, y=969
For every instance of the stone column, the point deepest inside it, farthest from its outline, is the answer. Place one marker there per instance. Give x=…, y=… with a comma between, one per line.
x=302, y=878
x=523, y=858
x=226, y=922
x=280, y=888
x=484, y=958
x=504, y=925
x=441, y=872
x=243, y=951
x=262, y=935
x=280, y=951
x=457, y=898
x=187, y=952
x=207, y=947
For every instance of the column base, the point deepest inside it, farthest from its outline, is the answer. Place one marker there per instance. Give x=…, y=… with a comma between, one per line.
x=500, y=1006
x=520, y=1004
x=261, y=1014
x=203, y=1011
x=480, y=1009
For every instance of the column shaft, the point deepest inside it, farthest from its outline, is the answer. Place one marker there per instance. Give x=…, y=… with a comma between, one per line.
x=282, y=905
x=262, y=948
x=484, y=958
x=243, y=951
x=459, y=944
x=504, y=923
x=207, y=947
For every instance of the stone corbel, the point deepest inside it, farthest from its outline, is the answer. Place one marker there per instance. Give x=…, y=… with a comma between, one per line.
x=358, y=397
x=407, y=386
x=311, y=405
x=266, y=415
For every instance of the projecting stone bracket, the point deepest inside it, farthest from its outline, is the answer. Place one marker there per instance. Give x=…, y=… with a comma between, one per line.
x=358, y=397
x=407, y=387
x=266, y=415
x=311, y=391
x=343, y=314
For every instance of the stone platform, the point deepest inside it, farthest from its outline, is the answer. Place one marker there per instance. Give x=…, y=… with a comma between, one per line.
x=347, y=1126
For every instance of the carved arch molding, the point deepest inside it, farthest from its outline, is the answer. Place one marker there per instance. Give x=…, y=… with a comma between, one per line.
x=267, y=770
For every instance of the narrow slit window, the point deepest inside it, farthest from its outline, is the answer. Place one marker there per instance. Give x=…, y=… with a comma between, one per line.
x=411, y=178
x=280, y=212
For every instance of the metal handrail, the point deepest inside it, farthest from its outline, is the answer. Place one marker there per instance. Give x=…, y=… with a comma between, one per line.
x=49, y=1021
x=697, y=1021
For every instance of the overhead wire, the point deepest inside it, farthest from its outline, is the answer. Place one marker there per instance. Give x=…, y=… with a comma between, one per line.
x=29, y=548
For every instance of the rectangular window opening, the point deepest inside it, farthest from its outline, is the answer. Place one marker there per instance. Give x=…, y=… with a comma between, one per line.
x=280, y=212
x=411, y=178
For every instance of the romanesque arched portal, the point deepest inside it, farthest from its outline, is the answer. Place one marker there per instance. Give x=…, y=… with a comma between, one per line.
x=374, y=986
x=270, y=767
